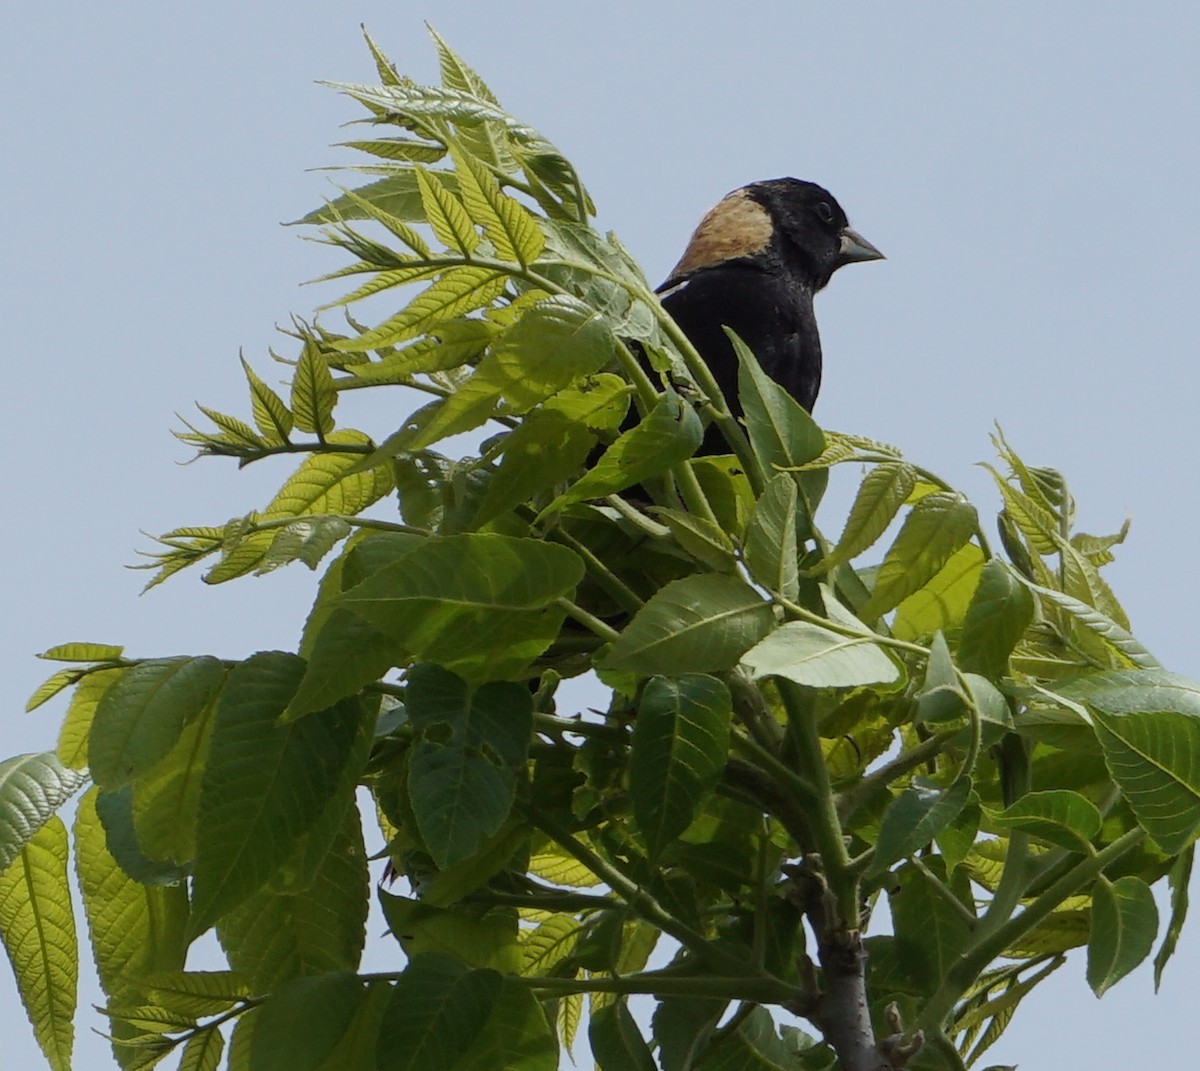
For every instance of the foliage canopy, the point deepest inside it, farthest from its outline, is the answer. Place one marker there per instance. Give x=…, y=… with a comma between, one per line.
x=974, y=741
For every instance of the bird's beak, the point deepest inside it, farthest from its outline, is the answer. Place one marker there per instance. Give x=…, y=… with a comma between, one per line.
x=855, y=247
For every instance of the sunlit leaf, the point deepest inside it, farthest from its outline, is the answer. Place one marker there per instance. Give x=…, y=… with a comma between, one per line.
x=1124, y=925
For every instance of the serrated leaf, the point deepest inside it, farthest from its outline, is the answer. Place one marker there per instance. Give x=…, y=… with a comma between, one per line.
x=32, y=788
x=549, y=943
x=943, y=600
x=670, y=433
x=1179, y=880
x=818, y=657
x=264, y=783
x=274, y=936
x=197, y=993
x=1124, y=925
x=398, y=149
x=1120, y=643
x=446, y=214
x=115, y=809
x=460, y=290
x=708, y=543
x=38, y=930
x=271, y=416
x=677, y=754
x=135, y=929
x=781, y=431
x=73, y=736
x=438, y=1008
x=509, y=226
x=552, y=346
x=880, y=495
x=1056, y=816
x=203, y=1050
x=1154, y=757
x=999, y=613
x=141, y=715
x=83, y=652
x=699, y=624
x=52, y=685
x=167, y=799
x=307, y=540
x=420, y=929
x=462, y=598
x=302, y=1022
x=543, y=450
x=938, y=526
x=771, y=546
x=914, y=819
x=313, y=393
x=616, y=1041
x=462, y=773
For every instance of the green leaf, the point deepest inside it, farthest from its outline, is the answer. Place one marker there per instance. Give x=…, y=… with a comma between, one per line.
x=1154, y=757
x=274, y=936
x=479, y=602
x=313, y=393
x=203, y=1050
x=937, y=526
x=914, y=819
x=1124, y=925
x=669, y=434
x=167, y=799
x=196, y=993
x=438, y=1009
x=781, y=432
x=37, y=927
x=1056, y=816
x=617, y=1043
x=32, y=788
x=556, y=343
x=457, y=292
x=930, y=934
x=464, y=762
x=677, y=754
x=771, y=546
x=446, y=214
x=307, y=540
x=881, y=494
x=1125, y=649
x=698, y=624
x=461, y=933
x=83, y=652
x=264, y=784
x=1179, y=879
x=271, y=416
x=347, y=653
x=818, y=657
x=943, y=601
x=999, y=613
x=135, y=929
x=140, y=717
x=76, y=728
x=115, y=809
x=543, y=450
x=510, y=227
x=516, y=1035
x=302, y=1022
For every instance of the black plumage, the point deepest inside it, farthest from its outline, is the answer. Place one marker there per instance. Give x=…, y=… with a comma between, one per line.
x=754, y=264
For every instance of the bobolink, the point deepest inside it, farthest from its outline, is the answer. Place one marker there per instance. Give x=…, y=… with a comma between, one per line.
x=754, y=264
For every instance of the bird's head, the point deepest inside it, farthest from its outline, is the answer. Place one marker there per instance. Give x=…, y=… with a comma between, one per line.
x=779, y=223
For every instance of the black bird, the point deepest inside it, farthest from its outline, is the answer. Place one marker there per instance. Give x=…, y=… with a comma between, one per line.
x=754, y=264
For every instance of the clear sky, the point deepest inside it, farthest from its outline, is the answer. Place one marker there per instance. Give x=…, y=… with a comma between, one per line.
x=1030, y=169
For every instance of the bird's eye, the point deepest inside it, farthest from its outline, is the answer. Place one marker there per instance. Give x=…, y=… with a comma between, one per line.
x=825, y=211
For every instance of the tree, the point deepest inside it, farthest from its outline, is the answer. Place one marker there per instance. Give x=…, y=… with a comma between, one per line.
x=973, y=741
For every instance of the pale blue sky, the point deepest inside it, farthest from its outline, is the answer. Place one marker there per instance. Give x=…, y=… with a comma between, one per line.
x=1029, y=169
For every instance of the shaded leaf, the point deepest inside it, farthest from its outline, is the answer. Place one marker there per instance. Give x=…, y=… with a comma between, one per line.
x=1000, y=611
x=464, y=762
x=915, y=818
x=678, y=751
x=1124, y=925
x=771, y=546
